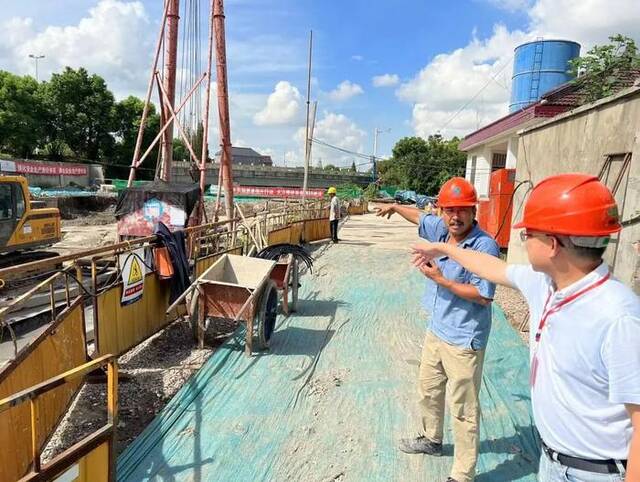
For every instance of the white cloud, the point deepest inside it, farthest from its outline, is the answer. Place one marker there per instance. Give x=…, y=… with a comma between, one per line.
x=337, y=130
x=442, y=92
x=357, y=58
x=588, y=22
x=114, y=40
x=344, y=91
x=283, y=106
x=385, y=80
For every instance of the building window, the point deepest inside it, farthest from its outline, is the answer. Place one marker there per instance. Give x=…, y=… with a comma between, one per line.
x=472, y=174
x=498, y=161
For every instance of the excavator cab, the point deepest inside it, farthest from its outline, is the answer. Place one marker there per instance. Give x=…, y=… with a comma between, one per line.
x=22, y=226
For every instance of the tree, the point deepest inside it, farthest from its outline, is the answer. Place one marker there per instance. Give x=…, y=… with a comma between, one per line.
x=353, y=167
x=127, y=115
x=80, y=112
x=422, y=165
x=598, y=70
x=21, y=113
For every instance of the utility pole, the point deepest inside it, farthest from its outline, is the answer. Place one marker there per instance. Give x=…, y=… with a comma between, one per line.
x=376, y=131
x=307, y=140
x=36, y=58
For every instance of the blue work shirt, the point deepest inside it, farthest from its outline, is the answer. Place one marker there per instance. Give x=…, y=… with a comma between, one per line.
x=453, y=319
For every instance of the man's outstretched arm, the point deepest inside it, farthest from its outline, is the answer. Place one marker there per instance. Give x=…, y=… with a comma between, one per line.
x=409, y=213
x=481, y=264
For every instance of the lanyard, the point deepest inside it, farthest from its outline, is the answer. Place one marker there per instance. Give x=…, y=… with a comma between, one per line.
x=546, y=313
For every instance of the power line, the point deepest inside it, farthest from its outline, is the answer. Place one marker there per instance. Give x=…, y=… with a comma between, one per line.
x=342, y=149
x=492, y=79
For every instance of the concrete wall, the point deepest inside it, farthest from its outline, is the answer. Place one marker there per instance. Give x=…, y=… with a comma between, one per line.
x=273, y=176
x=578, y=142
x=482, y=169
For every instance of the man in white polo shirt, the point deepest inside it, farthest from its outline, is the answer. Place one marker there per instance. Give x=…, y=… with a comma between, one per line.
x=585, y=330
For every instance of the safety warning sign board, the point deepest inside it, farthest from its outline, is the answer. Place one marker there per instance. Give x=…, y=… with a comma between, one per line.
x=133, y=272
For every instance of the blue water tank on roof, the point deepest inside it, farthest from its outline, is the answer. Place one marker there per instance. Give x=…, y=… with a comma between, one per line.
x=539, y=67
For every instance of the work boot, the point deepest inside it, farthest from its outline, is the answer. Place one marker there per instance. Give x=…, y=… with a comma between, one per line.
x=420, y=445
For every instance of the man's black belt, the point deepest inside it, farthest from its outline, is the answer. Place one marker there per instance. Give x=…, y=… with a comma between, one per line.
x=598, y=466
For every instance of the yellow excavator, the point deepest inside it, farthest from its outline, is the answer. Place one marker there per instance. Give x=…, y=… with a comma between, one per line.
x=24, y=225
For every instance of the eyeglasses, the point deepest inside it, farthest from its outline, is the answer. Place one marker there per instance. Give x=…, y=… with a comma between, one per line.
x=524, y=235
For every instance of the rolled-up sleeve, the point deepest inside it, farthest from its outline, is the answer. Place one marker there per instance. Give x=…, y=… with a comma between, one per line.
x=430, y=227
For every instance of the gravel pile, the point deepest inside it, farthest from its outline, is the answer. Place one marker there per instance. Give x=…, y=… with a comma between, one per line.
x=515, y=307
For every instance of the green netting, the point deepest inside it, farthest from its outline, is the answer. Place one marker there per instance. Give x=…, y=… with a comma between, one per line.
x=389, y=190
x=349, y=191
x=121, y=184
x=335, y=393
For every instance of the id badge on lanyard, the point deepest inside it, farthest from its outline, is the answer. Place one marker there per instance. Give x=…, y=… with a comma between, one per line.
x=543, y=321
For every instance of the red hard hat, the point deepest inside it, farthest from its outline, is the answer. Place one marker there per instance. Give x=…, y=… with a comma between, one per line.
x=457, y=192
x=572, y=205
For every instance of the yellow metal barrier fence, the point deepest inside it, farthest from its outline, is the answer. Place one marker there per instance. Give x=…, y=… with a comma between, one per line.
x=90, y=460
x=120, y=328
x=59, y=348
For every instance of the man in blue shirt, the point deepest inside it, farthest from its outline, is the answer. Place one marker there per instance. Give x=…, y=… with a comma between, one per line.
x=460, y=307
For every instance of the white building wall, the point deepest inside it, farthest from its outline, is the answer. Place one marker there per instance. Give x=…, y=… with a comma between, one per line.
x=512, y=153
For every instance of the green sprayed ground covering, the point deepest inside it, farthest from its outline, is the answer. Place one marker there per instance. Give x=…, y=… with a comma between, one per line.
x=335, y=393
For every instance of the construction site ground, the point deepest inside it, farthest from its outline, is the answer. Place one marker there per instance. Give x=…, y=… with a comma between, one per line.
x=335, y=392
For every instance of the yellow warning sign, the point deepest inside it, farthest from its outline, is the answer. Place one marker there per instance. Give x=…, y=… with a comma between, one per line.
x=135, y=273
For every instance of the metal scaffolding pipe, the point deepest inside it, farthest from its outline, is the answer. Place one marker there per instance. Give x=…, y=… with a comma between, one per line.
x=147, y=101
x=171, y=55
x=223, y=105
x=205, y=133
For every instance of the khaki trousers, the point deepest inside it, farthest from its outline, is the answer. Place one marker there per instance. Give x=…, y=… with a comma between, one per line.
x=459, y=371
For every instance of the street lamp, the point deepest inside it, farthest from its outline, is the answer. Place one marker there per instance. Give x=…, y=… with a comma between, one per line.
x=376, y=131
x=36, y=58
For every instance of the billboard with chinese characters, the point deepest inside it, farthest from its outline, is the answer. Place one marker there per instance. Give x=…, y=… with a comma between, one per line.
x=44, y=168
x=275, y=192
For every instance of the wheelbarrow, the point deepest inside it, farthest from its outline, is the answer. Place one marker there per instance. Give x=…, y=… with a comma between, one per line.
x=286, y=276
x=237, y=288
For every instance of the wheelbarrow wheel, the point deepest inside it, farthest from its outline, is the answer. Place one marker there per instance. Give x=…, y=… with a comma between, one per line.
x=264, y=322
x=294, y=282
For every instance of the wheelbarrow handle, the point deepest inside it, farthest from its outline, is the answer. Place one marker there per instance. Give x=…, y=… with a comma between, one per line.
x=181, y=297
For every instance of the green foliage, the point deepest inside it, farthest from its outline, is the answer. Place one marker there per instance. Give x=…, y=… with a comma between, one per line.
x=127, y=115
x=422, y=165
x=353, y=167
x=74, y=115
x=80, y=113
x=597, y=70
x=21, y=112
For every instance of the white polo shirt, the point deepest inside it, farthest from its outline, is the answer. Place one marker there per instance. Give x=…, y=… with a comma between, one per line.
x=334, y=209
x=588, y=363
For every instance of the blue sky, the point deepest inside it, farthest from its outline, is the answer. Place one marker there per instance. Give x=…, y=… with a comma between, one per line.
x=434, y=56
